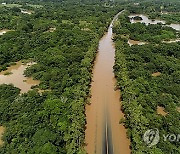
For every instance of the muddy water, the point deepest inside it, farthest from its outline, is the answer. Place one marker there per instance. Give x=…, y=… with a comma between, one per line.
x=26, y=12
x=161, y=111
x=156, y=74
x=104, y=134
x=147, y=21
x=178, y=109
x=133, y=42
x=3, y=31
x=17, y=78
x=2, y=129
x=171, y=41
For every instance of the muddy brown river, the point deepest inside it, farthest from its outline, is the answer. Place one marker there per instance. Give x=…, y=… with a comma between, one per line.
x=104, y=134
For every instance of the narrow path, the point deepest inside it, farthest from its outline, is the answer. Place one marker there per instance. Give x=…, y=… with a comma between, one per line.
x=104, y=134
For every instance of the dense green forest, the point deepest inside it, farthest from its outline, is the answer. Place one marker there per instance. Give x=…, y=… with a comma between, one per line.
x=53, y=122
x=62, y=38
x=141, y=91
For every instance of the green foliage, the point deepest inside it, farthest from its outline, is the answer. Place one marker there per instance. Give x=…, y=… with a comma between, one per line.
x=53, y=122
x=142, y=92
x=139, y=31
x=163, y=9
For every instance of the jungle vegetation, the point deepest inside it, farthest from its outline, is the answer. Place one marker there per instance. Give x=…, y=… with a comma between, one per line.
x=141, y=91
x=164, y=9
x=62, y=38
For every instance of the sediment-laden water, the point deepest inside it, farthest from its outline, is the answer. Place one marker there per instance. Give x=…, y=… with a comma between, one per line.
x=15, y=75
x=104, y=134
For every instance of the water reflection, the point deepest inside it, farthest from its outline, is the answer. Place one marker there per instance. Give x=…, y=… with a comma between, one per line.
x=156, y=74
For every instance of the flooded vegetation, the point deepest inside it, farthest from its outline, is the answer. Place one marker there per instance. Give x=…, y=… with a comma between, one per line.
x=55, y=109
x=37, y=6
x=42, y=91
x=15, y=75
x=133, y=42
x=156, y=74
x=144, y=19
x=134, y=87
x=178, y=109
x=161, y=111
x=26, y=11
x=148, y=76
x=171, y=41
x=104, y=134
x=147, y=21
x=10, y=5
x=174, y=26
x=52, y=29
x=2, y=129
x=146, y=31
x=4, y=31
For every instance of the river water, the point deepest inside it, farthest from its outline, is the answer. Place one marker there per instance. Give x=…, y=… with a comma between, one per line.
x=104, y=134
x=161, y=111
